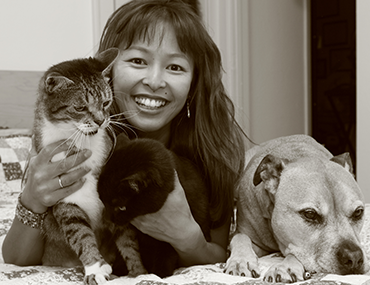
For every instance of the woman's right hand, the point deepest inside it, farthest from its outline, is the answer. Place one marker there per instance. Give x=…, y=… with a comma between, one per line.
x=42, y=188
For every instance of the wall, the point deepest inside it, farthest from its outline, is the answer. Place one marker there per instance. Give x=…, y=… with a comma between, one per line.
x=363, y=98
x=265, y=48
x=35, y=35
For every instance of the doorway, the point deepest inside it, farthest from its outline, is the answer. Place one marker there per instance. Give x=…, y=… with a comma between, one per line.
x=333, y=50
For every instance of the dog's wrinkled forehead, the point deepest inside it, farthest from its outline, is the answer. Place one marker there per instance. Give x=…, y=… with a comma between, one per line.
x=319, y=180
x=343, y=184
x=303, y=179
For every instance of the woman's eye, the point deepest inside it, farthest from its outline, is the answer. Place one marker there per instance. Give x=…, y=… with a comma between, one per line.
x=137, y=61
x=175, y=67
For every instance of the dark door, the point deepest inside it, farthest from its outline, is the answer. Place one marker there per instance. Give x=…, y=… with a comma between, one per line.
x=333, y=50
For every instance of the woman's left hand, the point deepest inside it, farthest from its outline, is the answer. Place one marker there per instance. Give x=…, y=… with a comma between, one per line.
x=173, y=223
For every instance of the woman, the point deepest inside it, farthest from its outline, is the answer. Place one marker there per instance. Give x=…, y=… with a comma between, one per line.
x=169, y=74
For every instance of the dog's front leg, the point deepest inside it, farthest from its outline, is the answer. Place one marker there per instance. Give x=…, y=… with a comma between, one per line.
x=287, y=271
x=243, y=261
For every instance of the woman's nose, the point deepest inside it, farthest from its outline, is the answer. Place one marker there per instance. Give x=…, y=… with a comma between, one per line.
x=154, y=79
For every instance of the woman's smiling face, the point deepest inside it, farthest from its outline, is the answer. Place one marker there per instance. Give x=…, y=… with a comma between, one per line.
x=152, y=80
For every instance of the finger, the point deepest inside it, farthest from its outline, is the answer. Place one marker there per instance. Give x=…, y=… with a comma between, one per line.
x=33, y=151
x=61, y=193
x=72, y=177
x=52, y=149
x=71, y=161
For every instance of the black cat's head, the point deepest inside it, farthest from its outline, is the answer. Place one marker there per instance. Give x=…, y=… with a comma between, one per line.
x=136, y=180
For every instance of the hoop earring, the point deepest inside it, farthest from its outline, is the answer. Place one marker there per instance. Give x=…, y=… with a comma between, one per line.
x=188, y=109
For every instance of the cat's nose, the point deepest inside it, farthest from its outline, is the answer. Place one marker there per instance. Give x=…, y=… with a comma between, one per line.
x=99, y=122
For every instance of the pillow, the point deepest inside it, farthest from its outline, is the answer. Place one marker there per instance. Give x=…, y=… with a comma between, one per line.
x=14, y=150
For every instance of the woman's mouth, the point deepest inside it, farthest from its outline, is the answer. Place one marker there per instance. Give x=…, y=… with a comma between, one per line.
x=150, y=103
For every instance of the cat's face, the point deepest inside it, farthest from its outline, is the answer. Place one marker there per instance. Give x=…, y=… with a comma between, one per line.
x=136, y=180
x=80, y=106
x=76, y=95
x=129, y=196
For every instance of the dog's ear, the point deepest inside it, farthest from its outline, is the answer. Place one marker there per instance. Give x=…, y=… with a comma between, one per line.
x=344, y=159
x=269, y=171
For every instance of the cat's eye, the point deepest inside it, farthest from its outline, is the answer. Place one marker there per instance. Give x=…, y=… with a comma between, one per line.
x=106, y=104
x=80, y=108
x=123, y=208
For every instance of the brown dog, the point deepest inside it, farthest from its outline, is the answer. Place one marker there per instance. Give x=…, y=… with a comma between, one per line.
x=297, y=199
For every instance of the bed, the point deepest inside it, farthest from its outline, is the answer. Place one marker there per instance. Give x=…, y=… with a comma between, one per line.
x=18, y=94
x=14, y=147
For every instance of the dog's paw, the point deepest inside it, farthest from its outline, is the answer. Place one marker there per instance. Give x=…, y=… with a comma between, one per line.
x=243, y=261
x=288, y=271
x=97, y=274
x=238, y=265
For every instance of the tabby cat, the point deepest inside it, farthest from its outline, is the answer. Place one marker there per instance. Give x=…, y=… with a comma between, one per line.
x=137, y=180
x=73, y=105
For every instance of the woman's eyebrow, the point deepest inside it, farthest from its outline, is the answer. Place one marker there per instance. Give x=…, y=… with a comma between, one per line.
x=139, y=48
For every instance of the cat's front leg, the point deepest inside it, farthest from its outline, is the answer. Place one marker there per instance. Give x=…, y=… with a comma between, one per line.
x=75, y=225
x=128, y=246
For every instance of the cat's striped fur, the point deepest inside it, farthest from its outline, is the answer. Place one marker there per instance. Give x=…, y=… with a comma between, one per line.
x=73, y=105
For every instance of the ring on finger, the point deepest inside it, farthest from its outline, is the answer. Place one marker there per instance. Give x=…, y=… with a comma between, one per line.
x=60, y=182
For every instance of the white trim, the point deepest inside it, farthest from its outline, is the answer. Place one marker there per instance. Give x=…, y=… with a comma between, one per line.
x=362, y=97
x=225, y=21
x=101, y=10
x=307, y=67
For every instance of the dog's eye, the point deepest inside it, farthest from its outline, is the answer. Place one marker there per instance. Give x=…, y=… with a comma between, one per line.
x=123, y=208
x=358, y=214
x=311, y=215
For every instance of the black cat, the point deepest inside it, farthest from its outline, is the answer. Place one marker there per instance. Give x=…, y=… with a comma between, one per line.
x=136, y=181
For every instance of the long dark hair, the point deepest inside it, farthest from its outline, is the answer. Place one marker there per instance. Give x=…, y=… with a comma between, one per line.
x=211, y=137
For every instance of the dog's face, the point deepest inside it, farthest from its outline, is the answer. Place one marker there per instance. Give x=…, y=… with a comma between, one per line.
x=318, y=213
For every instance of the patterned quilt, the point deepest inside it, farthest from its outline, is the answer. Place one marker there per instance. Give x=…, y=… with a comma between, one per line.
x=14, y=147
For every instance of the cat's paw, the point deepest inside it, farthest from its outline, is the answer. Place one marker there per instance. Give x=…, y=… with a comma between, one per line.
x=136, y=270
x=97, y=273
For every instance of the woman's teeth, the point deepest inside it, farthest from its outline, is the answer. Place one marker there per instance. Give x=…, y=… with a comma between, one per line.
x=150, y=103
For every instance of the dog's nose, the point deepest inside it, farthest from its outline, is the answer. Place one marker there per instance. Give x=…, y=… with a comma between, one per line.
x=350, y=258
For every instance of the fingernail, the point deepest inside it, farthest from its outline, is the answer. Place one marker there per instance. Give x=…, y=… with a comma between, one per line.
x=87, y=153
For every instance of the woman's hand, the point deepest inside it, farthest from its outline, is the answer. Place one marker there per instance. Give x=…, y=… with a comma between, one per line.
x=42, y=188
x=173, y=223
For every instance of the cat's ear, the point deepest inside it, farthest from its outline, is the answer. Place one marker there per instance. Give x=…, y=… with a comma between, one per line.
x=108, y=57
x=55, y=81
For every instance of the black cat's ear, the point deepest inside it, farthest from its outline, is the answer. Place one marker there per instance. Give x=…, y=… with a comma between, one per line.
x=55, y=81
x=121, y=141
x=108, y=57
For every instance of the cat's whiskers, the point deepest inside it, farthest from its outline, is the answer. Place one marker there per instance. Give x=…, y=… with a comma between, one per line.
x=110, y=129
x=126, y=115
x=74, y=146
